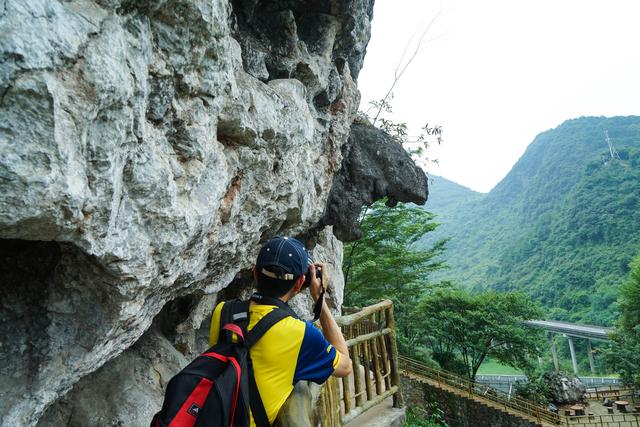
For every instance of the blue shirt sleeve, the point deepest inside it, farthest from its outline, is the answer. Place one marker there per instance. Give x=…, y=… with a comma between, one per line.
x=316, y=357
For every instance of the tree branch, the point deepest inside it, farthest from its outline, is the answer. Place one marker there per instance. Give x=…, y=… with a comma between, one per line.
x=400, y=70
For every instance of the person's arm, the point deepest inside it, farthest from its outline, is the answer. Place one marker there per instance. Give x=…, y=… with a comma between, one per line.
x=330, y=328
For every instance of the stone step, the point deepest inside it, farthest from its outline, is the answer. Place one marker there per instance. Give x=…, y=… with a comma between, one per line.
x=381, y=415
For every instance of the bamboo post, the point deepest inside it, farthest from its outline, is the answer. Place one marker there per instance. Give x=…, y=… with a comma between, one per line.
x=346, y=394
x=376, y=356
x=357, y=378
x=398, y=402
x=385, y=353
x=376, y=365
x=346, y=386
x=328, y=403
x=367, y=370
x=331, y=402
x=385, y=361
x=338, y=404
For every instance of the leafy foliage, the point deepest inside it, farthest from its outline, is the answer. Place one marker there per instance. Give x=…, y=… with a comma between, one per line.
x=416, y=146
x=535, y=389
x=454, y=327
x=425, y=416
x=385, y=264
x=463, y=329
x=561, y=226
x=625, y=352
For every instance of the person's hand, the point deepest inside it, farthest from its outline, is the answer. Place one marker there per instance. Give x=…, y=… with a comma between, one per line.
x=315, y=288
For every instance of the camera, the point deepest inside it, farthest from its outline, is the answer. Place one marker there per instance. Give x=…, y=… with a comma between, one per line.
x=307, y=277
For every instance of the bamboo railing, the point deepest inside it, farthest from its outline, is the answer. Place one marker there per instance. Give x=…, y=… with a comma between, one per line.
x=372, y=347
x=476, y=390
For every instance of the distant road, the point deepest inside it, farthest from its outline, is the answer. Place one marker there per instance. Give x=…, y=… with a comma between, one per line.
x=580, y=331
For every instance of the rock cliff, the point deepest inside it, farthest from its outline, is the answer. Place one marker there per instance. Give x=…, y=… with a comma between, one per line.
x=147, y=148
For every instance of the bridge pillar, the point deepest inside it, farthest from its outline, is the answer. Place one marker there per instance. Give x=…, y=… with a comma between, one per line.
x=554, y=353
x=592, y=365
x=574, y=361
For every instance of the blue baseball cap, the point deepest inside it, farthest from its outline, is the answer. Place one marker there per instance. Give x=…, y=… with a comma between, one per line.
x=287, y=255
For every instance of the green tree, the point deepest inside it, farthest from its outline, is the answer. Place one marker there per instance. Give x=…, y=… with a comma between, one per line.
x=625, y=351
x=463, y=329
x=384, y=263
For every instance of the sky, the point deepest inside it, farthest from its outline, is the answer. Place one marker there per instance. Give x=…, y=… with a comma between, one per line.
x=495, y=73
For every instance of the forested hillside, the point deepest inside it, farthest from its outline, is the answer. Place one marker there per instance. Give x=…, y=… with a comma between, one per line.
x=563, y=225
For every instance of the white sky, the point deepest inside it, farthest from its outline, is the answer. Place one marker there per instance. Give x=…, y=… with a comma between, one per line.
x=495, y=73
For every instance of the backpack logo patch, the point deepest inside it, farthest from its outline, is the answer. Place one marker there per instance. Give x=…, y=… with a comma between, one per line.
x=193, y=410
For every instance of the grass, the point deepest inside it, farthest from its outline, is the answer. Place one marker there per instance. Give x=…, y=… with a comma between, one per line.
x=491, y=367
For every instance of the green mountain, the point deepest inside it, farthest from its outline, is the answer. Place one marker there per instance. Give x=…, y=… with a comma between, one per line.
x=446, y=195
x=563, y=225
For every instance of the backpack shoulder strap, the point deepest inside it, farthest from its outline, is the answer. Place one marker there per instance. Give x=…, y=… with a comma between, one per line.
x=237, y=312
x=252, y=337
x=255, y=400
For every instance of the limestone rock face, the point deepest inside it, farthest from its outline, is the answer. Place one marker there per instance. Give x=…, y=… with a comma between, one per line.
x=123, y=392
x=147, y=148
x=374, y=166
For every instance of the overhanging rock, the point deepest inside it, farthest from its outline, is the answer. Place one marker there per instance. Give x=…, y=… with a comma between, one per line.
x=374, y=166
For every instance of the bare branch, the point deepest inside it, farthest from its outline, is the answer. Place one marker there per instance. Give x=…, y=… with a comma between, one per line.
x=400, y=69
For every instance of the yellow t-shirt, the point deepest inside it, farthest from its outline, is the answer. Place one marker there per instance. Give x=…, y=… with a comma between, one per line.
x=292, y=350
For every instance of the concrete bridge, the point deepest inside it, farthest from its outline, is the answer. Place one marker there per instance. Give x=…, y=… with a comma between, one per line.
x=571, y=331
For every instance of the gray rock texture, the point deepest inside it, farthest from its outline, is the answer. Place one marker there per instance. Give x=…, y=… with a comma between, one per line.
x=123, y=392
x=564, y=388
x=374, y=166
x=147, y=148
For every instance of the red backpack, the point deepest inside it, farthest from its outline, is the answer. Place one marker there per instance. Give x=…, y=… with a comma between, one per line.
x=218, y=387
